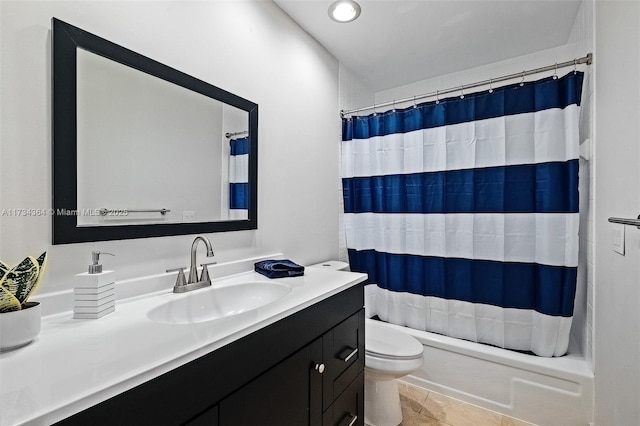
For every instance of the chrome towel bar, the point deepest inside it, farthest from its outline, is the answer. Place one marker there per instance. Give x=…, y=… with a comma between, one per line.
x=104, y=212
x=623, y=221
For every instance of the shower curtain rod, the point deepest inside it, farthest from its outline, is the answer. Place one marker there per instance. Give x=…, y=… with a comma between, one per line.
x=232, y=134
x=584, y=60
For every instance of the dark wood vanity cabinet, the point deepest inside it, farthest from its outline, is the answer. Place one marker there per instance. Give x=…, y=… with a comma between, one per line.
x=320, y=384
x=306, y=369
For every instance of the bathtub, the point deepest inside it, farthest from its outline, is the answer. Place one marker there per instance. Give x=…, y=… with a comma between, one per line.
x=544, y=391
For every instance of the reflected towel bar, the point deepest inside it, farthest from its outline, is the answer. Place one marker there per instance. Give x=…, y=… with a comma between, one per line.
x=232, y=134
x=104, y=212
x=623, y=221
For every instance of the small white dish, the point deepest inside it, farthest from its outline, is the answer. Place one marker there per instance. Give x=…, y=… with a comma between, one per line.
x=18, y=328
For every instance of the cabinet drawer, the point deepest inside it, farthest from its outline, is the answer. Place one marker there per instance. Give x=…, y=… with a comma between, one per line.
x=343, y=356
x=348, y=408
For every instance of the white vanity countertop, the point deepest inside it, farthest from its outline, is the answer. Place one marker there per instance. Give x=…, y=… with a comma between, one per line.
x=74, y=364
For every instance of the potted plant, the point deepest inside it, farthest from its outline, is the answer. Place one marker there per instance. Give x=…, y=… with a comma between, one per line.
x=19, y=318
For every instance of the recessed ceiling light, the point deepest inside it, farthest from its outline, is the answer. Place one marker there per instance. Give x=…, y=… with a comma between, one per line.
x=344, y=11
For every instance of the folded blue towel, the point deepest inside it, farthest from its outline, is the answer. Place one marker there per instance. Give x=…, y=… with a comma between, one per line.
x=279, y=268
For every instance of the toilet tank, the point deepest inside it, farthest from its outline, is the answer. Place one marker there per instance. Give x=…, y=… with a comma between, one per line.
x=333, y=265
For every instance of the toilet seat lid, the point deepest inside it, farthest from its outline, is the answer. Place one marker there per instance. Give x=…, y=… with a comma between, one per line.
x=389, y=343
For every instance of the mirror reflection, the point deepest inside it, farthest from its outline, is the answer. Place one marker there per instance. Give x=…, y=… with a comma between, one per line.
x=150, y=151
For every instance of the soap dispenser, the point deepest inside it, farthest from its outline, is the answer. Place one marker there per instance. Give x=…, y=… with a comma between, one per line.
x=95, y=290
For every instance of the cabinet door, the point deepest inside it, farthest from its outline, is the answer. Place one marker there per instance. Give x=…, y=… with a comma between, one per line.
x=281, y=396
x=343, y=356
x=208, y=418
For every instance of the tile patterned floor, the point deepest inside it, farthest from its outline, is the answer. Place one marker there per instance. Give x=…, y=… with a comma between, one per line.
x=425, y=408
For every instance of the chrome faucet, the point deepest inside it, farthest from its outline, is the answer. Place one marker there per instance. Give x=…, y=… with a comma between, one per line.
x=194, y=282
x=193, y=269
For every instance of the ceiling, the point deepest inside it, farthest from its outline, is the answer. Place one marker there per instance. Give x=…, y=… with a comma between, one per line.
x=396, y=42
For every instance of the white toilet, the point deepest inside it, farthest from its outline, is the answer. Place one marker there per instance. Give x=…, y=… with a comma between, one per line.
x=389, y=354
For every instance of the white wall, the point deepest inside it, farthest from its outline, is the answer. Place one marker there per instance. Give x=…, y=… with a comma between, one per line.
x=617, y=279
x=579, y=44
x=250, y=48
x=582, y=37
x=352, y=93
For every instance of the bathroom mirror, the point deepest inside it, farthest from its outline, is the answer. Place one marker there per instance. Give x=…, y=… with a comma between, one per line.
x=143, y=150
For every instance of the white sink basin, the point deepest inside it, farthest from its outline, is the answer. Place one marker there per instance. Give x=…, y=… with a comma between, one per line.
x=215, y=303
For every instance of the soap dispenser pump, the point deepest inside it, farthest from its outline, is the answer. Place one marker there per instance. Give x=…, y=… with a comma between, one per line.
x=94, y=292
x=96, y=267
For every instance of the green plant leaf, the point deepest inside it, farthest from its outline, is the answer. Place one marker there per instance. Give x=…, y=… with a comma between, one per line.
x=4, y=268
x=8, y=302
x=42, y=265
x=42, y=259
x=21, y=278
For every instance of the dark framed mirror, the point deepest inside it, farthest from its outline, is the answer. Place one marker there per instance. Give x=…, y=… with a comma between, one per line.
x=141, y=149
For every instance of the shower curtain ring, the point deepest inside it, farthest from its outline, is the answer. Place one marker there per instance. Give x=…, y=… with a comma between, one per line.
x=393, y=108
x=522, y=81
x=555, y=72
x=374, y=110
x=575, y=66
x=437, y=96
x=414, y=102
x=462, y=91
x=490, y=85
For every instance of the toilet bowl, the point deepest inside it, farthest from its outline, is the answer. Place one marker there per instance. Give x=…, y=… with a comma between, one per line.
x=389, y=354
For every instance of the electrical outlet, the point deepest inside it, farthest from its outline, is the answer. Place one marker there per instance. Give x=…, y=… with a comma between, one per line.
x=188, y=216
x=618, y=238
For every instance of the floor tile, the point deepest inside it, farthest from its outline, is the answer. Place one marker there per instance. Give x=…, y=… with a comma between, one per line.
x=423, y=407
x=412, y=397
x=510, y=421
x=458, y=413
x=412, y=400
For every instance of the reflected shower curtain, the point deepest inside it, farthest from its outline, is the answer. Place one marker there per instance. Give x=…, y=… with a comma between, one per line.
x=239, y=178
x=464, y=213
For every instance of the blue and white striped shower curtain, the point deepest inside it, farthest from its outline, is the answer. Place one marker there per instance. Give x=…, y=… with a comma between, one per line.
x=239, y=178
x=464, y=213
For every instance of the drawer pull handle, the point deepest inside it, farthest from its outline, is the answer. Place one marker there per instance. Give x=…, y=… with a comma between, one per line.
x=353, y=420
x=319, y=368
x=349, y=356
x=349, y=420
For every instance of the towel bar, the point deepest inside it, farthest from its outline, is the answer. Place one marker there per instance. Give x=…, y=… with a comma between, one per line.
x=623, y=221
x=105, y=212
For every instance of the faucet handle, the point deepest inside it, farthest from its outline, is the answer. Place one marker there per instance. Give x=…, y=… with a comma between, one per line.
x=180, y=280
x=205, y=271
x=205, y=274
x=204, y=266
